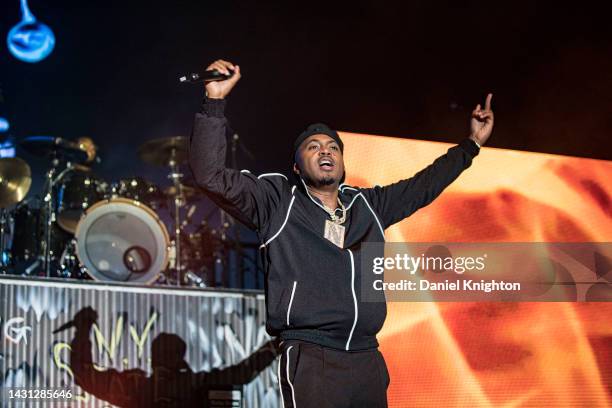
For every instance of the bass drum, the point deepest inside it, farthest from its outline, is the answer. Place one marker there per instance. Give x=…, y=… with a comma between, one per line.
x=122, y=240
x=139, y=189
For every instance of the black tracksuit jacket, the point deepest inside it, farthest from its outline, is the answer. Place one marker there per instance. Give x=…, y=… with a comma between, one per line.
x=313, y=287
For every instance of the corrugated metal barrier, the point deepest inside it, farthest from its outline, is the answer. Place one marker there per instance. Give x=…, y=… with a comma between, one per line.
x=121, y=345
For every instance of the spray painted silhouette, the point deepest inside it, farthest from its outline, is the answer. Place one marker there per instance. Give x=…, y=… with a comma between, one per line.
x=172, y=383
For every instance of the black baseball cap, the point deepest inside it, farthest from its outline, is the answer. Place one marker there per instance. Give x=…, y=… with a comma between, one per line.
x=317, y=129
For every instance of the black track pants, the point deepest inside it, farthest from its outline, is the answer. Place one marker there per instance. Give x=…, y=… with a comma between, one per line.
x=313, y=376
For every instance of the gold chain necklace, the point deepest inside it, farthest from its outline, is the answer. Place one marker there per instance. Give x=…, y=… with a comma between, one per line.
x=332, y=213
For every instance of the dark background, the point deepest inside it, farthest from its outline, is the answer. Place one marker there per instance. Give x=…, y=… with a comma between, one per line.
x=406, y=69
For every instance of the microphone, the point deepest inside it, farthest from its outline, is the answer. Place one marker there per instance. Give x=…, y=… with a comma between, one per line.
x=64, y=326
x=204, y=76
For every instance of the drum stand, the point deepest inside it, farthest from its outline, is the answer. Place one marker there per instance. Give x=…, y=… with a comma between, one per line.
x=176, y=176
x=49, y=217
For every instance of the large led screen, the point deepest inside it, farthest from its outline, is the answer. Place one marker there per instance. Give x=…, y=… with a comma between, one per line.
x=511, y=354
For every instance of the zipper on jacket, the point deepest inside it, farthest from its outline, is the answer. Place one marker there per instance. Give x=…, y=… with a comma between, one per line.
x=291, y=301
x=348, y=341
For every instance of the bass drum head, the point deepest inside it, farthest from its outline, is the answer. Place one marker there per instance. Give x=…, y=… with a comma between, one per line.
x=122, y=240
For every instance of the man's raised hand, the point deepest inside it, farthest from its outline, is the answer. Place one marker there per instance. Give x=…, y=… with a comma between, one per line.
x=482, y=122
x=220, y=89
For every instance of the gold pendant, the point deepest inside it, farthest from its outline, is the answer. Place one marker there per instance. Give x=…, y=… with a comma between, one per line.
x=334, y=233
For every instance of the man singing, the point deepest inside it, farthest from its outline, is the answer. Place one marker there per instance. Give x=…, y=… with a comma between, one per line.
x=311, y=228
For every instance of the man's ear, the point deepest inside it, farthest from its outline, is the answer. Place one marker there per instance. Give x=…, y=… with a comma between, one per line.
x=296, y=169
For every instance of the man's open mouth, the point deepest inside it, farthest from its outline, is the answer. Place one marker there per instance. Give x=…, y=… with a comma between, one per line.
x=326, y=163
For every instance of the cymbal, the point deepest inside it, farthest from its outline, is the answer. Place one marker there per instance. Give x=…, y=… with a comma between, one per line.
x=49, y=145
x=163, y=151
x=15, y=181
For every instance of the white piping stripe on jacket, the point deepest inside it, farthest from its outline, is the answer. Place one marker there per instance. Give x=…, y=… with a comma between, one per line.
x=347, y=188
x=289, y=380
x=243, y=171
x=352, y=201
x=280, y=384
x=309, y=196
x=348, y=342
x=284, y=223
x=341, y=189
x=272, y=174
x=382, y=231
x=291, y=301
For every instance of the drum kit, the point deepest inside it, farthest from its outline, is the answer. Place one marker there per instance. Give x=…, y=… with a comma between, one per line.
x=84, y=227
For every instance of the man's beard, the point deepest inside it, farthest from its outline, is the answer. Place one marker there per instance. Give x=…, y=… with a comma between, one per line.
x=321, y=182
x=326, y=181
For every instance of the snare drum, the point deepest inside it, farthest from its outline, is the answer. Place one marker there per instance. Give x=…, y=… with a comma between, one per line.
x=122, y=240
